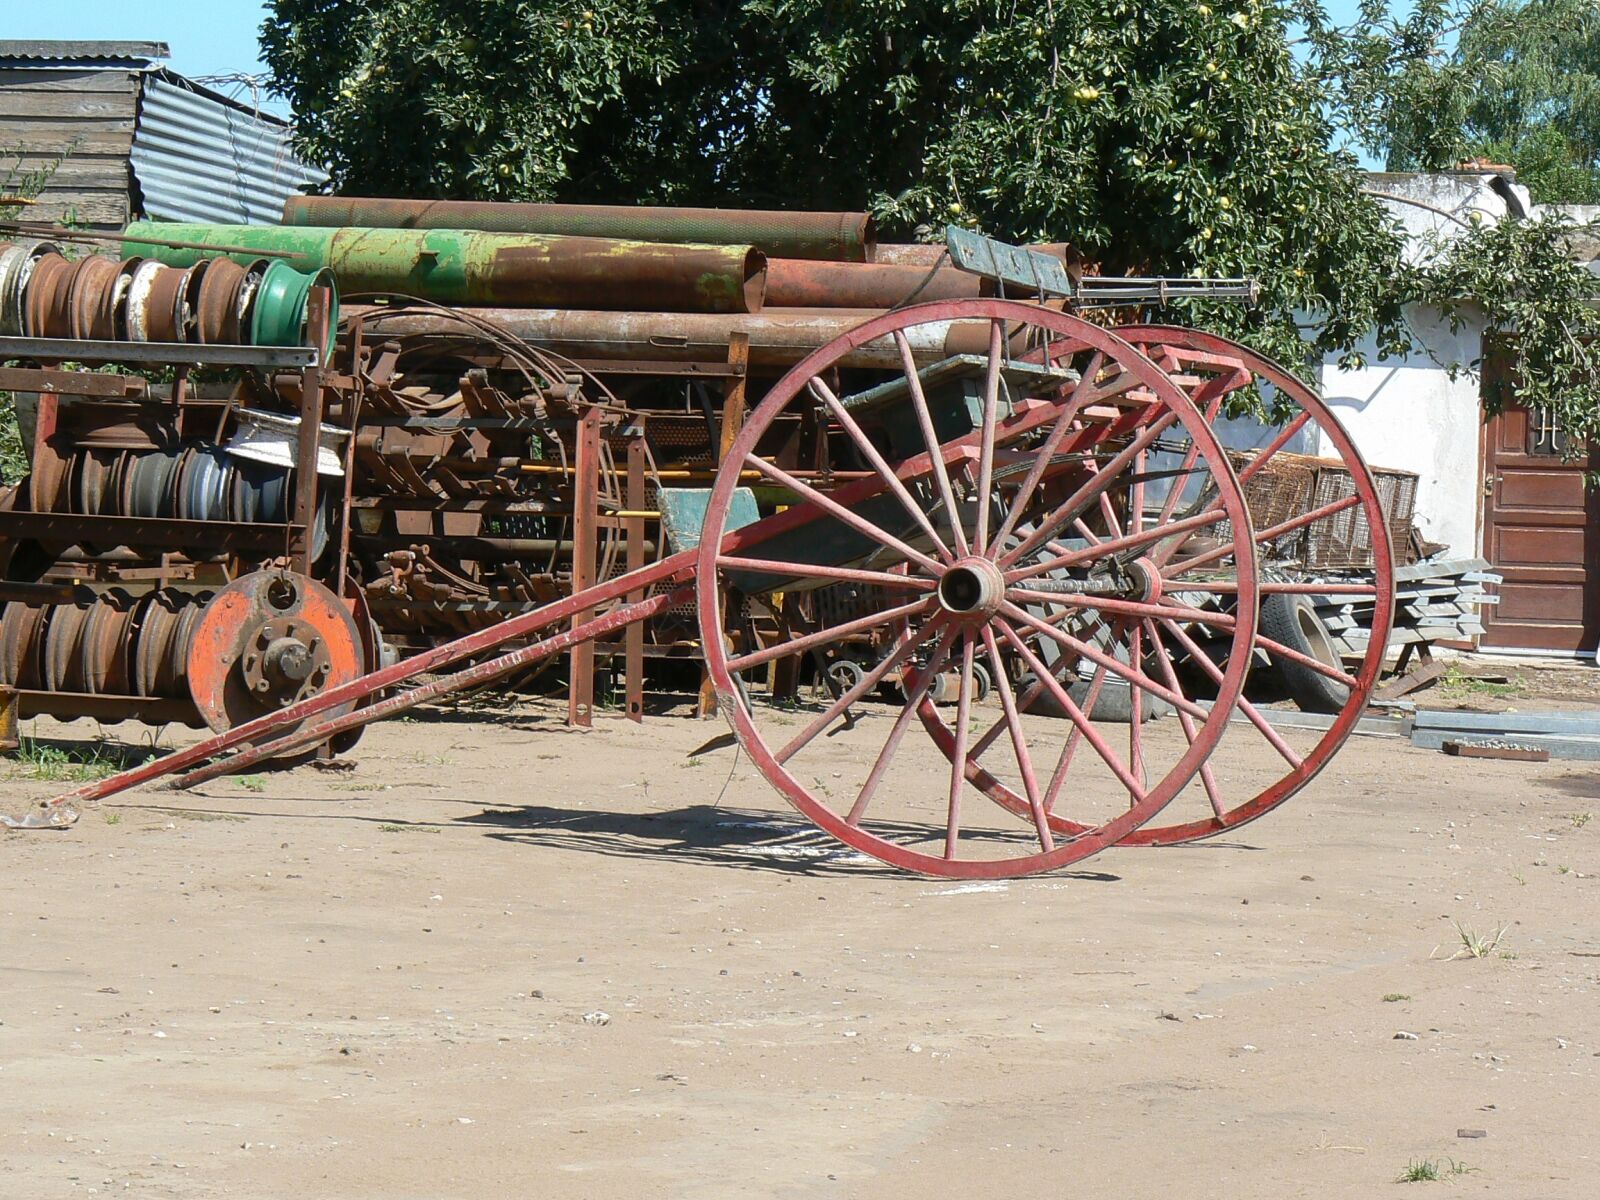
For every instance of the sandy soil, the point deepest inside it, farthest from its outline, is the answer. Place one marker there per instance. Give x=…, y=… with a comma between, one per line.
x=388, y=984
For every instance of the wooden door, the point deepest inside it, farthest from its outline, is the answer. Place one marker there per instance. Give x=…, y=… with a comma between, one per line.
x=1541, y=530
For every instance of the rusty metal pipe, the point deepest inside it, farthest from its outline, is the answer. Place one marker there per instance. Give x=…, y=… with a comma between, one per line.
x=800, y=283
x=777, y=339
x=848, y=237
x=456, y=267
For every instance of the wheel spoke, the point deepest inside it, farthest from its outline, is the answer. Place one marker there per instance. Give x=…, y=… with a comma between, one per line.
x=902, y=723
x=1208, y=779
x=1019, y=742
x=1279, y=650
x=1123, y=608
x=834, y=508
x=1212, y=404
x=1135, y=712
x=1085, y=495
x=991, y=407
x=925, y=419
x=859, y=625
x=1041, y=463
x=880, y=465
x=1079, y=718
x=1134, y=677
x=1119, y=545
x=909, y=641
x=1063, y=764
x=788, y=570
x=1024, y=704
x=1250, y=711
x=1278, y=443
x=958, y=760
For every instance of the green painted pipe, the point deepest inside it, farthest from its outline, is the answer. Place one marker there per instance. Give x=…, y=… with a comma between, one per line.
x=841, y=236
x=462, y=267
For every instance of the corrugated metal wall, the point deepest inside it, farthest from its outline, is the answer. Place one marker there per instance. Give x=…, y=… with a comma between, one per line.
x=198, y=159
x=86, y=115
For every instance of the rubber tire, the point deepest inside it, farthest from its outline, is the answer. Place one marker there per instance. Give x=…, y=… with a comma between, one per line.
x=1293, y=622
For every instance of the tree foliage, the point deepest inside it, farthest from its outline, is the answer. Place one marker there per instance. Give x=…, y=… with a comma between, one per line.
x=1183, y=137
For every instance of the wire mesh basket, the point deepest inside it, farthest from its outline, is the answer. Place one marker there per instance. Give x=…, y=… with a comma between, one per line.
x=1291, y=484
x=1345, y=539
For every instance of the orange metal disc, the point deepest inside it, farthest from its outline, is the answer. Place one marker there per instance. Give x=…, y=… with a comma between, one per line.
x=267, y=640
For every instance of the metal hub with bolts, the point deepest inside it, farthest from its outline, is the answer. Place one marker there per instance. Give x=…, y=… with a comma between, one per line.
x=285, y=661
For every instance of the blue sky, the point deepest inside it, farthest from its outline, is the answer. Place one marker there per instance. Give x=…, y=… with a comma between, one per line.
x=208, y=37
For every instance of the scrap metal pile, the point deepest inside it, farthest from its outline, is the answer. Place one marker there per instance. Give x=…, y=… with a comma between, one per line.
x=941, y=547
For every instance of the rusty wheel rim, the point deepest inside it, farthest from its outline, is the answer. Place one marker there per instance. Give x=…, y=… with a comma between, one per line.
x=88, y=299
x=44, y=297
x=19, y=645
x=63, y=648
x=104, y=666
x=217, y=305
x=161, y=312
x=46, y=482
x=153, y=651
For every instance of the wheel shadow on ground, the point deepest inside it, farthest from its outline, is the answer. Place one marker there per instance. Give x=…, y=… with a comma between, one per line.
x=743, y=839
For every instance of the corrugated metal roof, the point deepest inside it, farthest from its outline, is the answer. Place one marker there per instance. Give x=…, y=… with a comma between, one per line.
x=196, y=158
x=120, y=55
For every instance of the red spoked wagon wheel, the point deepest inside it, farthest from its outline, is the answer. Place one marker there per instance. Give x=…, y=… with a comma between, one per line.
x=1318, y=513
x=960, y=499
x=1334, y=525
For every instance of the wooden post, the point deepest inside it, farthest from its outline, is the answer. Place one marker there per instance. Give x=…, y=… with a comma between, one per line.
x=585, y=501
x=733, y=411
x=633, y=636
x=305, y=483
x=734, y=392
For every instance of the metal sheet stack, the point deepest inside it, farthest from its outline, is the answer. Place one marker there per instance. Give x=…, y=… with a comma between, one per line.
x=1438, y=599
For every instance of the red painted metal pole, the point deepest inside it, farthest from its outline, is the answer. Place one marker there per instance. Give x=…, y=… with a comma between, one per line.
x=581, y=633
x=668, y=570
x=585, y=500
x=633, y=636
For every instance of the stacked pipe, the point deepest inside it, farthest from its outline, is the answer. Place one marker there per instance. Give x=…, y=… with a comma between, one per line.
x=209, y=301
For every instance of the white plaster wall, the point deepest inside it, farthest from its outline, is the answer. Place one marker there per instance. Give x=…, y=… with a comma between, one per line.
x=1409, y=414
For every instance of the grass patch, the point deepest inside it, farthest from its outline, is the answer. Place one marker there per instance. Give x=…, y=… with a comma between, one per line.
x=70, y=764
x=1395, y=997
x=1457, y=682
x=1476, y=945
x=1428, y=1170
x=1579, y=820
x=252, y=783
x=391, y=827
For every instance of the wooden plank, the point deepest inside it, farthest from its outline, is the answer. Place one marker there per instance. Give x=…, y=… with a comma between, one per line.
x=66, y=136
x=84, y=173
x=117, y=83
x=95, y=208
x=1494, y=750
x=31, y=105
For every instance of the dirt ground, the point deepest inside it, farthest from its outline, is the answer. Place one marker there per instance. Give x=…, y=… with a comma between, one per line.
x=505, y=959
